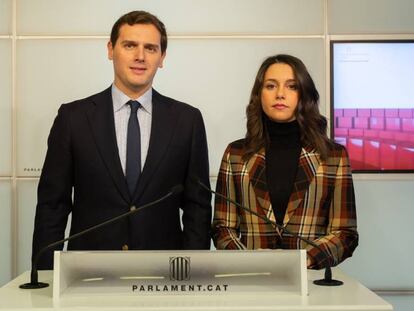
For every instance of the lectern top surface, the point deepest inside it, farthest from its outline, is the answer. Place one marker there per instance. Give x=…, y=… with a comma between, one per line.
x=351, y=296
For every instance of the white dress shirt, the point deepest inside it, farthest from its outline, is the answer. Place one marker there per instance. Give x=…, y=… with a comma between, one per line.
x=121, y=115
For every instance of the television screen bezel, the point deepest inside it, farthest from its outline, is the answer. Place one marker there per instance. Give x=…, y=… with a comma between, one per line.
x=332, y=42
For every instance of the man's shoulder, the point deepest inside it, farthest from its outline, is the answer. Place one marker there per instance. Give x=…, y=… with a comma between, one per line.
x=173, y=103
x=82, y=103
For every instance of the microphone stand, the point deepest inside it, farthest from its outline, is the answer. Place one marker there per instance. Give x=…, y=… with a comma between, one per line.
x=34, y=283
x=327, y=280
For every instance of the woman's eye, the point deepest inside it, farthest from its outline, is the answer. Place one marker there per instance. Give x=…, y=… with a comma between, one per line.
x=270, y=86
x=292, y=87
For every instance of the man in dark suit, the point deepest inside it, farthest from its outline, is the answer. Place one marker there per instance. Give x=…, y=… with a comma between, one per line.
x=124, y=147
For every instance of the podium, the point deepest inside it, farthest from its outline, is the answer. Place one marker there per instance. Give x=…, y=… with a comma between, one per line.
x=187, y=280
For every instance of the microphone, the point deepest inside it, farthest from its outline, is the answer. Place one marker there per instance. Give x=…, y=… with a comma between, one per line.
x=327, y=280
x=34, y=284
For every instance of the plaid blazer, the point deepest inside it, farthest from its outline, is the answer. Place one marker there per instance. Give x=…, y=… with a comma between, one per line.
x=321, y=206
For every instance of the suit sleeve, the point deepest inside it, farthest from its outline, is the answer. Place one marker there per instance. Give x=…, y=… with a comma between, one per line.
x=226, y=223
x=342, y=236
x=197, y=201
x=54, y=196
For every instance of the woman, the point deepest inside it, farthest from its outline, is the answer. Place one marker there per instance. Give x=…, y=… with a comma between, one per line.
x=287, y=170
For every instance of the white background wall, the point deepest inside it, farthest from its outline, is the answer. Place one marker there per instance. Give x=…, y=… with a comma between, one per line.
x=53, y=51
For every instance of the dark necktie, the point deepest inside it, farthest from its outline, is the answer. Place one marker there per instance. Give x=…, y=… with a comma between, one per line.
x=133, y=158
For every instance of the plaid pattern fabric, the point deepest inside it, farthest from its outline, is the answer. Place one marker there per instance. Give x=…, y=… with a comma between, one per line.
x=321, y=206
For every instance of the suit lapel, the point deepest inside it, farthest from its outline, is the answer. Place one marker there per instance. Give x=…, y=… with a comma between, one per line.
x=256, y=167
x=101, y=120
x=309, y=161
x=162, y=127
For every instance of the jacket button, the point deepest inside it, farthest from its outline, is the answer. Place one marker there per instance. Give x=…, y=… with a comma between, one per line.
x=132, y=208
x=125, y=247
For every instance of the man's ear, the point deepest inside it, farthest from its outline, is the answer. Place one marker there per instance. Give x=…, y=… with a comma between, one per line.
x=110, y=50
x=162, y=60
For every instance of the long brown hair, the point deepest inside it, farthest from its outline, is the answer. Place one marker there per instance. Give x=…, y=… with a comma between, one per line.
x=311, y=123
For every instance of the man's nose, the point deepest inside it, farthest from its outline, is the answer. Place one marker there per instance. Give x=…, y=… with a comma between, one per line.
x=139, y=54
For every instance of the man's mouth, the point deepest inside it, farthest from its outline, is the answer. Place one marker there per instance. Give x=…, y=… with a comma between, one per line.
x=138, y=70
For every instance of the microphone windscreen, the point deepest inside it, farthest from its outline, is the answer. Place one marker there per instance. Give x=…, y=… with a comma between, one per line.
x=177, y=189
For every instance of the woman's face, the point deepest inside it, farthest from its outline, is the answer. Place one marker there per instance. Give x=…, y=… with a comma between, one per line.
x=280, y=93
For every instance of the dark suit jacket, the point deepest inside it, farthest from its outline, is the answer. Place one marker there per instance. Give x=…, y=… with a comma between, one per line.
x=83, y=155
x=321, y=206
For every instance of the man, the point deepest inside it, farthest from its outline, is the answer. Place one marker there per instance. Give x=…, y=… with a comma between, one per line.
x=124, y=147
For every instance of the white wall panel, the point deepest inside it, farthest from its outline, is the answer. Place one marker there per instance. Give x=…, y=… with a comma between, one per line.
x=5, y=232
x=50, y=73
x=370, y=16
x=384, y=257
x=26, y=207
x=5, y=107
x=217, y=76
x=87, y=17
x=5, y=17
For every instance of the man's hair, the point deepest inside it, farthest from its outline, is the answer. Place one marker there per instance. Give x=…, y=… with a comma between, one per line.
x=139, y=17
x=312, y=124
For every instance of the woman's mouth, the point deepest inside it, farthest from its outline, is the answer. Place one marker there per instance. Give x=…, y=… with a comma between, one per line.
x=279, y=106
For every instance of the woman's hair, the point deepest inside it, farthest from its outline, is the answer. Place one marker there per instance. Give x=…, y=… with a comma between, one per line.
x=311, y=123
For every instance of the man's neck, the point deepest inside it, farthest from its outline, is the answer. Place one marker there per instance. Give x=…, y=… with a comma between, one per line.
x=133, y=94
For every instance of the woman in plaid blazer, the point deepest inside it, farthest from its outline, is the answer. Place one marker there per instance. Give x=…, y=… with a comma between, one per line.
x=319, y=203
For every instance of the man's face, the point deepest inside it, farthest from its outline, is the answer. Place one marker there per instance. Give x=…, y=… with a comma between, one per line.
x=136, y=57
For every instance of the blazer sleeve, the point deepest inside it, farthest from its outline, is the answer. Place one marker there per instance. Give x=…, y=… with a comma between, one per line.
x=197, y=201
x=342, y=236
x=226, y=223
x=54, y=195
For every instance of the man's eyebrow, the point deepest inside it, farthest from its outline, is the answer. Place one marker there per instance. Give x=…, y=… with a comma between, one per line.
x=129, y=42
x=151, y=45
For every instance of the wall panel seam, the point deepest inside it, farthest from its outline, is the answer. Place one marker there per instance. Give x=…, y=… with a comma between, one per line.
x=180, y=37
x=14, y=212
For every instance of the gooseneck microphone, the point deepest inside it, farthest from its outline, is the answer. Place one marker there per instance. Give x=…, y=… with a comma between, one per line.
x=327, y=280
x=34, y=283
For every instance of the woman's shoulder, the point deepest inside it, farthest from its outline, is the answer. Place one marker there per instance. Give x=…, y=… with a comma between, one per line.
x=337, y=152
x=236, y=148
x=237, y=144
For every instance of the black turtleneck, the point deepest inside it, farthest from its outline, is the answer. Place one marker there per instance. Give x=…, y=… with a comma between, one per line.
x=282, y=158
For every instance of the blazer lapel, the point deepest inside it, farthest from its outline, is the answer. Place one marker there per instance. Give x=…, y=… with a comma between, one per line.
x=101, y=120
x=256, y=167
x=162, y=127
x=309, y=161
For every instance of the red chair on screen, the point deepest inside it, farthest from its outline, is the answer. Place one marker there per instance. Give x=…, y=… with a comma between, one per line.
x=356, y=153
x=363, y=112
x=344, y=122
x=379, y=113
x=405, y=150
x=376, y=123
x=408, y=125
x=393, y=124
x=361, y=122
x=372, y=154
x=405, y=113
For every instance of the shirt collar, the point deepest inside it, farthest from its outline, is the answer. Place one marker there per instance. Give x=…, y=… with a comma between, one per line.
x=119, y=99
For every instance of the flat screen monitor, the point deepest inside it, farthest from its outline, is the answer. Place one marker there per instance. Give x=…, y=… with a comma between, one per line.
x=372, y=103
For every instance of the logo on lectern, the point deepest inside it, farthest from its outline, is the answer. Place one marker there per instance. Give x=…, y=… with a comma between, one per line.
x=180, y=268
